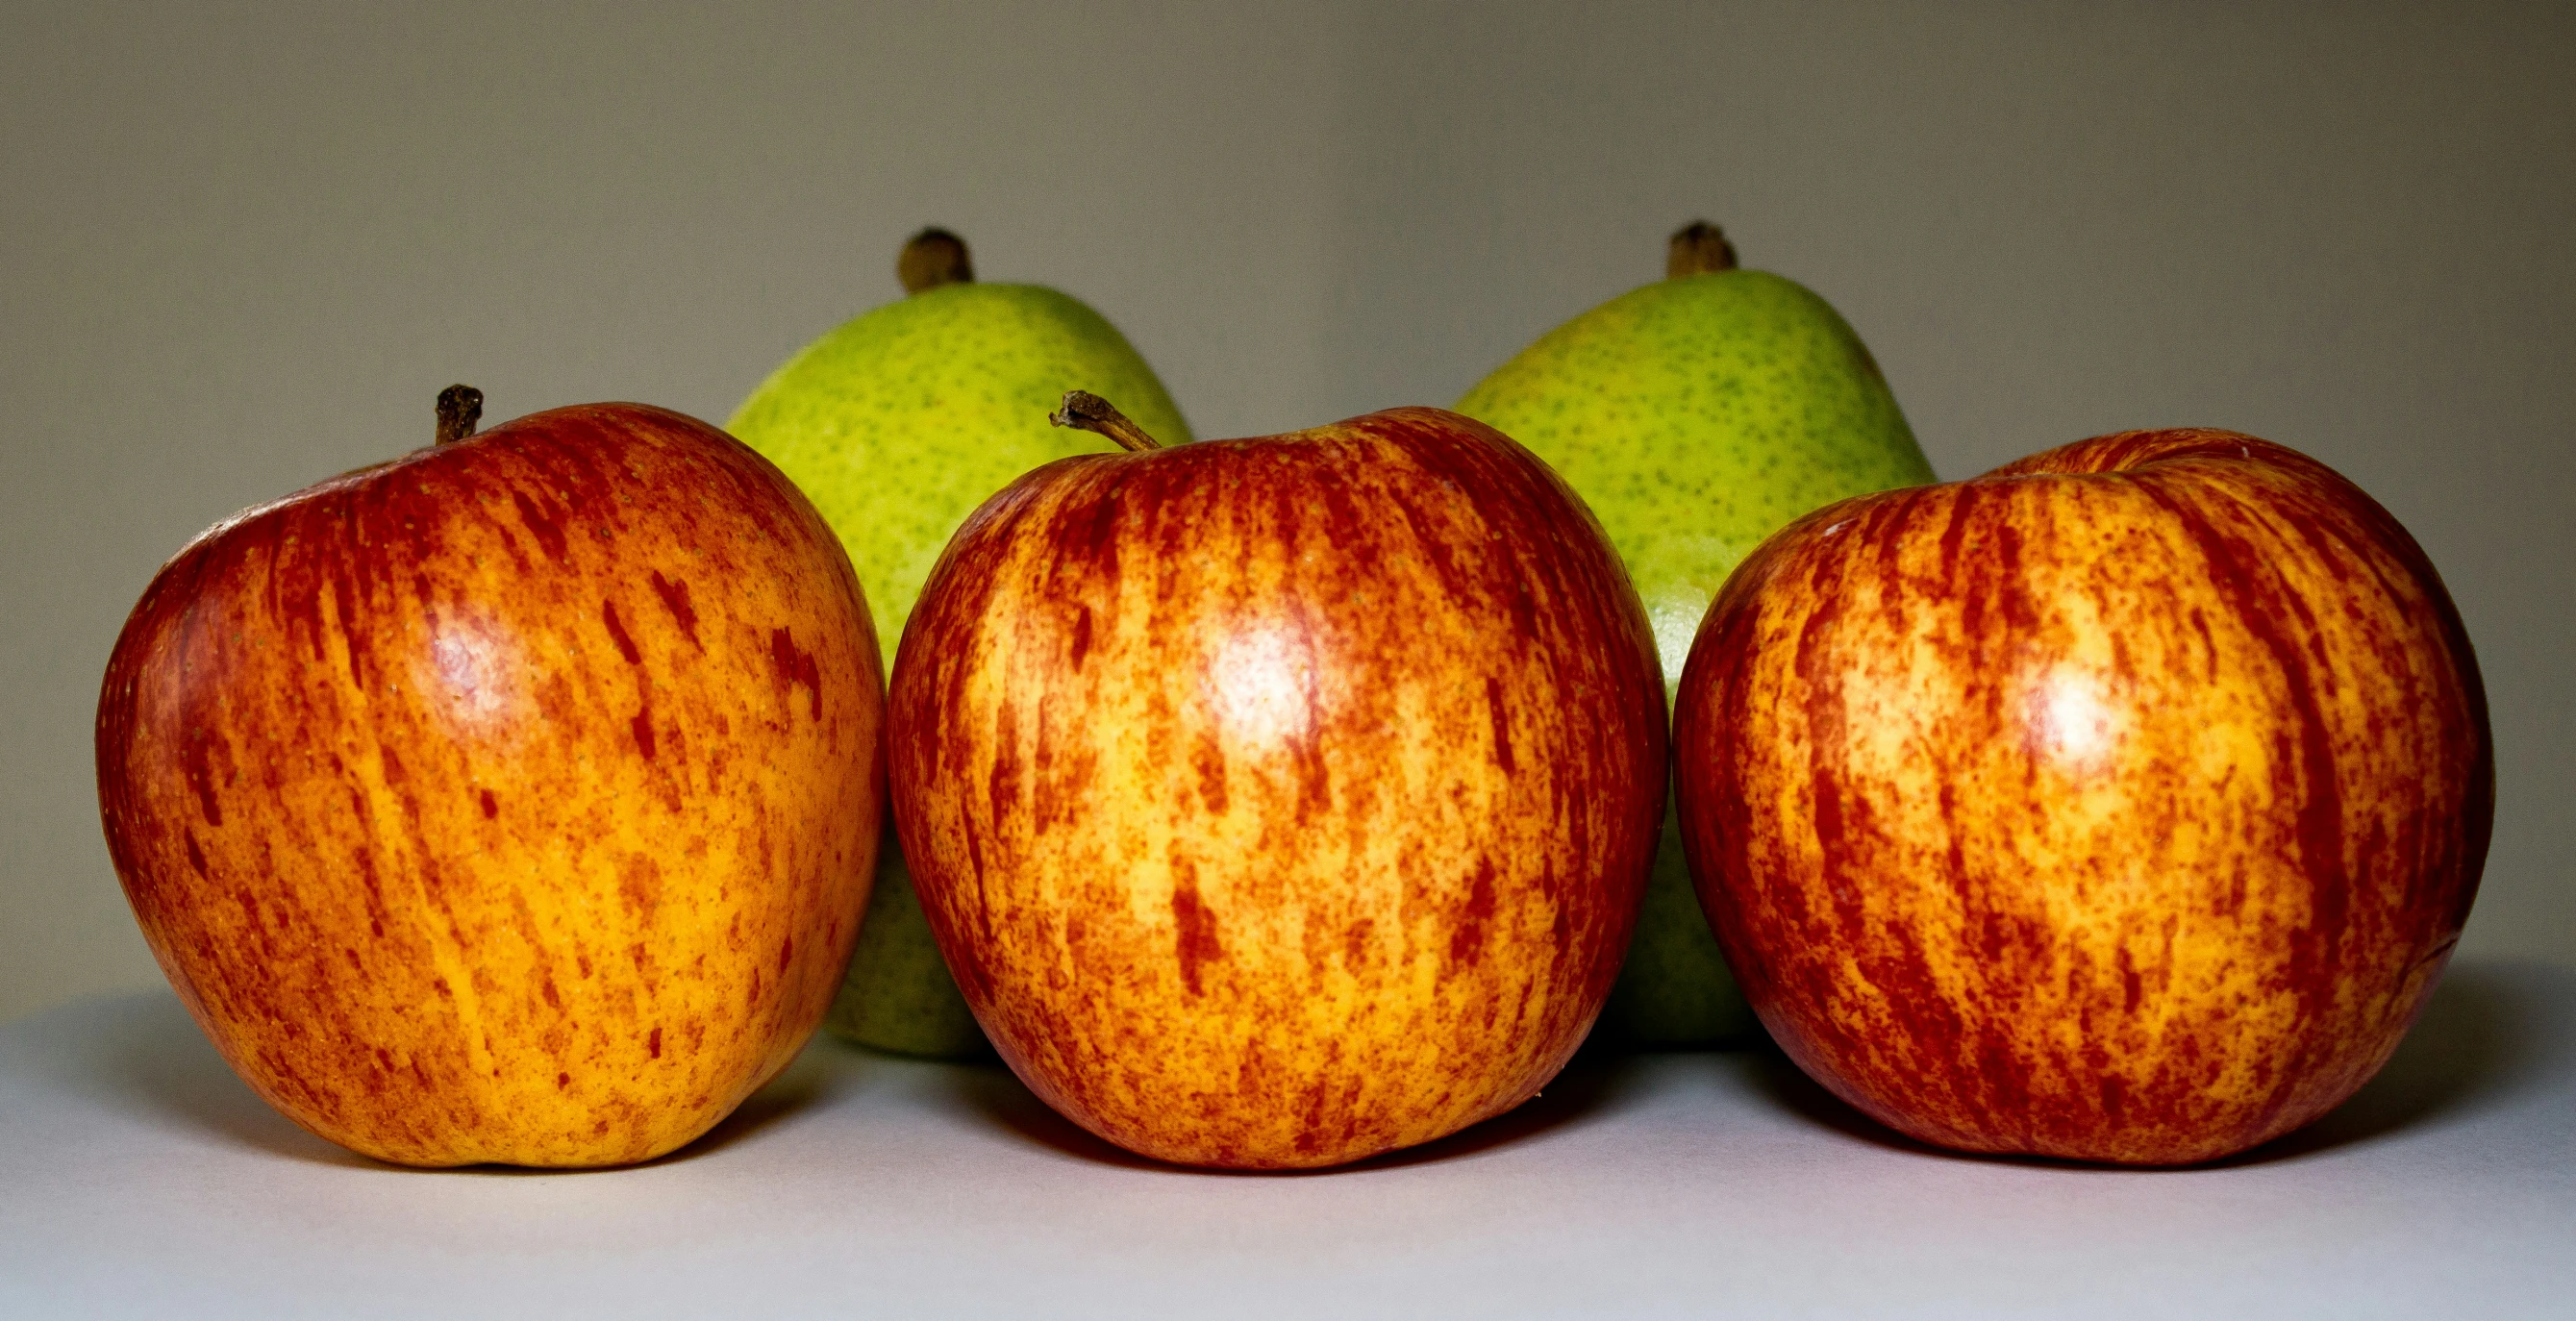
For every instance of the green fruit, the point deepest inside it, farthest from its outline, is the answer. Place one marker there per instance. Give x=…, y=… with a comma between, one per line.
x=896, y=994
x=897, y=425
x=1696, y=416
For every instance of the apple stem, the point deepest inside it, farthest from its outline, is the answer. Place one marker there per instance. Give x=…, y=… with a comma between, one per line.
x=1085, y=411
x=459, y=408
x=932, y=258
x=1698, y=248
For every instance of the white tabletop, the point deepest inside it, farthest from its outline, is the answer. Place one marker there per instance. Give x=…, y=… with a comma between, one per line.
x=138, y=1177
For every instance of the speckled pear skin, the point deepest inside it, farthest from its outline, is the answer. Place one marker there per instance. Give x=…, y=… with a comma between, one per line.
x=901, y=421
x=1697, y=416
x=896, y=425
x=896, y=994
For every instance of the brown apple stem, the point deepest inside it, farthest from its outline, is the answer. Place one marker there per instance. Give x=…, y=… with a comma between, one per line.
x=932, y=258
x=1698, y=248
x=1085, y=411
x=460, y=407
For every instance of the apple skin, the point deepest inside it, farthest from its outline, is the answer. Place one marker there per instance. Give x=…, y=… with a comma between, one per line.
x=513, y=801
x=1282, y=801
x=2122, y=805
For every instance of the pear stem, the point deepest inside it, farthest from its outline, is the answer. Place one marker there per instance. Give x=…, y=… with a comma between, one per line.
x=460, y=407
x=1698, y=248
x=1085, y=411
x=932, y=258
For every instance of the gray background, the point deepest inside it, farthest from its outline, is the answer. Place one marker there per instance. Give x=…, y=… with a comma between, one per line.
x=243, y=247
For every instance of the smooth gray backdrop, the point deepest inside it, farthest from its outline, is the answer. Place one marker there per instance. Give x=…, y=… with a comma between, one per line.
x=243, y=246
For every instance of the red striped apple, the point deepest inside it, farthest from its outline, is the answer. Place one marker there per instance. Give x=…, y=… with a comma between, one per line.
x=1281, y=801
x=512, y=801
x=2122, y=804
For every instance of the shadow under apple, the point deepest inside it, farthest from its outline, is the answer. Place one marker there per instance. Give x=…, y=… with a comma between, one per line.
x=143, y=1052
x=1584, y=1089
x=2484, y=1038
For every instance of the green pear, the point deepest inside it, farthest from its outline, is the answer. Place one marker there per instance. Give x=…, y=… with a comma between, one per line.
x=897, y=425
x=1696, y=416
